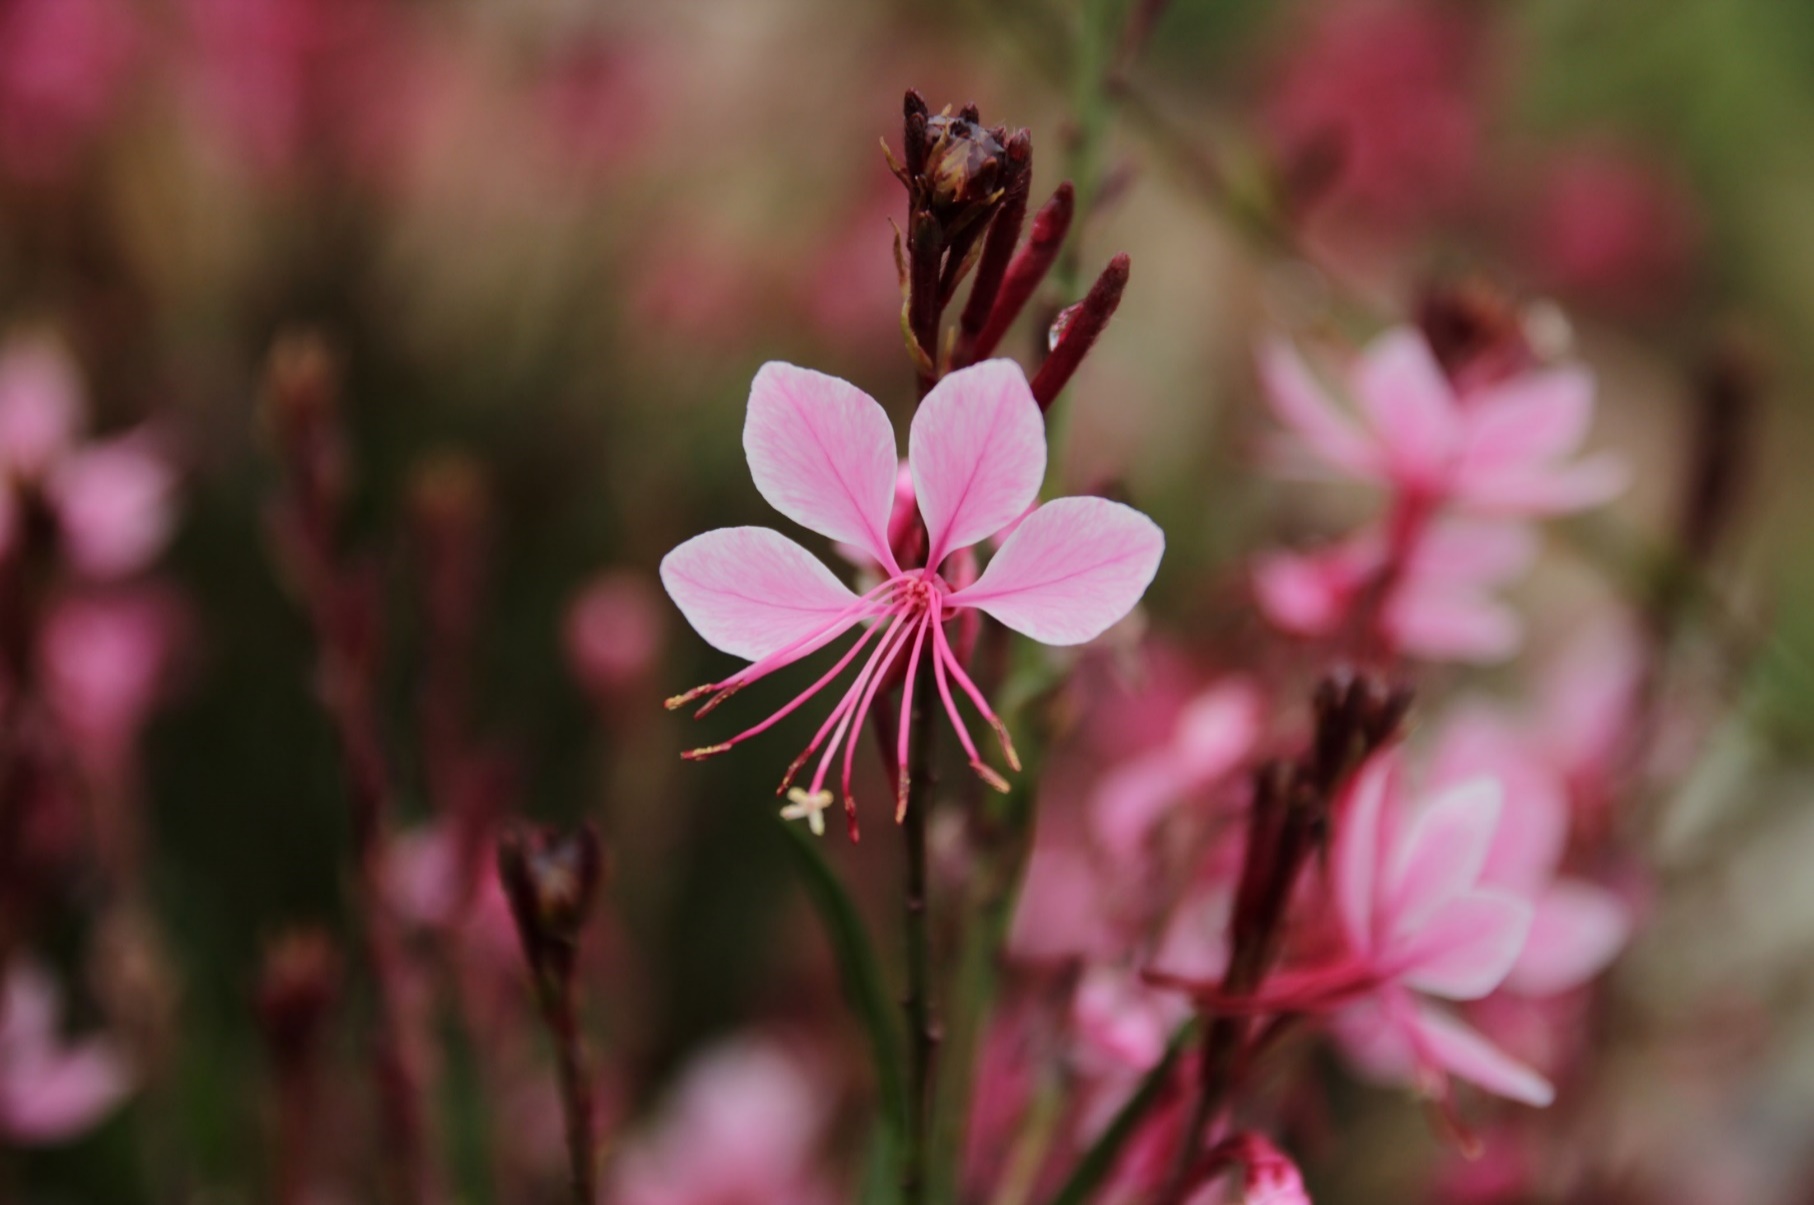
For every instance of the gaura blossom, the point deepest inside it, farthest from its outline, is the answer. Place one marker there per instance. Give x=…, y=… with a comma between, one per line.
x=1418, y=919
x=822, y=452
x=1503, y=449
x=1439, y=603
x=51, y=1092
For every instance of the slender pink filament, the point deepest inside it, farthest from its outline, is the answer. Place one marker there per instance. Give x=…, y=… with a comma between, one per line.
x=806, y=645
x=849, y=710
x=913, y=673
x=805, y=695
x=875, y=683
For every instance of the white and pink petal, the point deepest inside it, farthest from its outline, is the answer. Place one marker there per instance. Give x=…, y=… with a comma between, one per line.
x=978, y=451
x=751, y=591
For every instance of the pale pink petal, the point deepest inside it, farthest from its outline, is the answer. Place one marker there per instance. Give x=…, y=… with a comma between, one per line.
x=1552, y=491
x=1195, y=943
x=1441, y=853
x=1303, y=406
x=1540, y=416
x=1410, y=404
x=978, y=450
x=1358, y=849
x=1059, y=913
x=61, y=1094
x=1465, y=1053
x=1441, y=624
x=1533, y=823
x=33, y=1002
x=751, y=591
x=1577, y=930
x=1073, y=567
x=1587, y=693
x=1465, y=950
x=116, y=504
x=1118, y=1016
x=822, y=452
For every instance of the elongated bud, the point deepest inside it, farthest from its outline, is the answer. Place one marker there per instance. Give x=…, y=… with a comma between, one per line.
x=998, y=248
x=1077, y=330
x=1028, y=268
x=551, y=880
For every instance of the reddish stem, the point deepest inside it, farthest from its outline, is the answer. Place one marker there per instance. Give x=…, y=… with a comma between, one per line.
x=1027, y=269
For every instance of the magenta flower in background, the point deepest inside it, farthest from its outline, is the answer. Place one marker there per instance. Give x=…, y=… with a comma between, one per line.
x=614, y=631
x=822, y=452
x=1613, y=227
x=1504, y=449
x=1387, y=93
x=51, y=1092
x=1439, y=605
x=104, y=661
x=63, y=66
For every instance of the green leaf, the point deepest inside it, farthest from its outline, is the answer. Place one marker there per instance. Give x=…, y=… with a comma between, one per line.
x=861, y=973
x=1099, y=1160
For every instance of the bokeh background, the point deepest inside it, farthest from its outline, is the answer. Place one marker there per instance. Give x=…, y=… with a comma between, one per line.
x=551, y=240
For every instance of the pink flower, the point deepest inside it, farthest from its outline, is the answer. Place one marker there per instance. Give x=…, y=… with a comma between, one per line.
x=741, y=1128
x=822, y=452
x=1577, y=927
x=1502, y=449
x=50, y=1092
x=1420, y=919
x=1212, y=736
x=1269, y=1176
x=1439, y=605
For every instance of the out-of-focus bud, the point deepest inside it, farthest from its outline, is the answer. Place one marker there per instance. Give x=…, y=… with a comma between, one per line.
x=1476, y=331
x=551, y=880
x=614, y=632
x=302, y=389
x=297, y=991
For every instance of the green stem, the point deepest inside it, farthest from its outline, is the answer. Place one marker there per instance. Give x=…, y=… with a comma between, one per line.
x=1099, y=1160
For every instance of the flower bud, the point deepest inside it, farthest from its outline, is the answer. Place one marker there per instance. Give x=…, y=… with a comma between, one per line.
x=551, y=880
x=964, y=164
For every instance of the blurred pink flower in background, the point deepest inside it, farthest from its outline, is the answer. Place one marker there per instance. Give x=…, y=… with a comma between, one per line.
x=1214, y=733
x=1614, y=228
x=1382, y=100
x=50, y=1091
x=599, y=98
x=822, y=452
x=1421, y=917
x=741, y=1127
x=1503, y=449
x=1438, y=605
x=114, y=499
x=105, y=658
x=1577, y=926
x=614, y=632
x=63, y=67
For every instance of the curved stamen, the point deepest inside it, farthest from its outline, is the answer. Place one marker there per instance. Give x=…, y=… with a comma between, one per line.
x=790, y=708
x=982, y=704
x=866, y=604
x=913, y=675
x=862, y=688
x=850, y=695
x=869, y=693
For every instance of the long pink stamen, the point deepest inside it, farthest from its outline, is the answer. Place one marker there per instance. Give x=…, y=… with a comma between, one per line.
x=798, y=701
x=862, y=689
x=850, y=695
x=875, y=684
x=867, y=604
x=942, y=659
x=982, y=704
x=913, y=673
